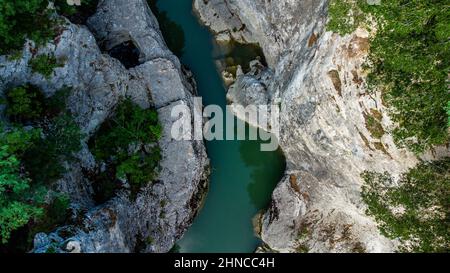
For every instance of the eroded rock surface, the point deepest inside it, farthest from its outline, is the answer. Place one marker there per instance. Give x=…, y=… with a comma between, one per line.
x=318, y=81
x=161, y=211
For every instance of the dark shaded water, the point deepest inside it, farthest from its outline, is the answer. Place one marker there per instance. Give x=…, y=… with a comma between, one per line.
x=243, y=177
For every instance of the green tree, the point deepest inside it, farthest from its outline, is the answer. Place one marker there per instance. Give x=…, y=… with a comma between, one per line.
x=31, y=160
x=139, y=169
x=24, y=103
x=30, y=19
x=409, y=61
x=21, y=19
x=173, y=33
x=130, y=124
x=120, y=143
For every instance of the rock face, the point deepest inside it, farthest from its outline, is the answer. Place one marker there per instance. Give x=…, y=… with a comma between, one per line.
x=318, y=81
x=161, y=212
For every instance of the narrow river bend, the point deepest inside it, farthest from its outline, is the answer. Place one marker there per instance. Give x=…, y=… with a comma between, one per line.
x=243, y=177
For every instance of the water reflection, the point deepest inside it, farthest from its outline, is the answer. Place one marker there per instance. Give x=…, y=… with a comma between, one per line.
x=262, y=182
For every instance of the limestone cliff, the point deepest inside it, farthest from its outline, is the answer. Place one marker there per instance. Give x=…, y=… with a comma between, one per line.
x=317, y=78
x=98, y=82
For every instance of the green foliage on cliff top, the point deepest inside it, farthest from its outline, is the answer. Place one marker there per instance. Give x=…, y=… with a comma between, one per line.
x=17, y=203
x=44, y=160
x=27, y=105
x=409, y=61
x=344, y=16
x=173, y=33
x=121, y=139
x=30, y=19
x=31, y=160
x=417, y=211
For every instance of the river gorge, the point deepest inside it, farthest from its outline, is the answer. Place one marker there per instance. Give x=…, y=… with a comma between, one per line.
x=242, y=177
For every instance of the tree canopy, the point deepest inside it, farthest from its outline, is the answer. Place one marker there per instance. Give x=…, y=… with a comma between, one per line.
x=409, y=62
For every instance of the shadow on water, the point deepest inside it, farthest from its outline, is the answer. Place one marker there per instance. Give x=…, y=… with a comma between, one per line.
x=258, y=191
x=243, y=177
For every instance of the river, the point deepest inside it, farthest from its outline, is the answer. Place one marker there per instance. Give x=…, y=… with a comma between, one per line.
x=243, y=178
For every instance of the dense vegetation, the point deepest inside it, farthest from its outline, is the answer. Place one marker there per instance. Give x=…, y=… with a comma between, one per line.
x=417, y=211
x=127, y=144
x=409, y=61
x=31, y=19
x=33, y=148
x=23, y=19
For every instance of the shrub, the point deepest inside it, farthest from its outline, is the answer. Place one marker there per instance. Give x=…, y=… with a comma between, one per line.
x=409, y=61
x=120, y=143
x=61, y=135
x=17, y=203
x=30, y=19
x=44, y=65
x=417, y=211
x=173, y=33
x=30, y=161
x=27, y=105
x=44, y=160
x=55, y=213
x=130, y=124
x=374, y=126
x=21, y=19
x=24, y=103
x=139, y=169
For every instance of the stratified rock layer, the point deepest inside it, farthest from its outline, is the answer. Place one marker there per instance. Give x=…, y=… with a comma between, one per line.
x=161, y=211
x=317, y=79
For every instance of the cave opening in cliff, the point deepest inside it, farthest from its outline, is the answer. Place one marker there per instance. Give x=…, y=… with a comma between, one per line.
x=127, y=53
